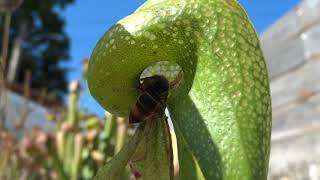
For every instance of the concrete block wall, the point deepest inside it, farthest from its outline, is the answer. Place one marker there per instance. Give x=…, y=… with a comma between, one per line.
x=292, y=50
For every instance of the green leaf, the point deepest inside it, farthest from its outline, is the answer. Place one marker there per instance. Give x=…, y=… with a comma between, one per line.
x=188, y=165
x=153, y=158
x=116, y=166
x=148, y=152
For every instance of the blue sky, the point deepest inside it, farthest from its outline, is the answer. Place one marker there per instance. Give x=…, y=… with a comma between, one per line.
x=87, y=20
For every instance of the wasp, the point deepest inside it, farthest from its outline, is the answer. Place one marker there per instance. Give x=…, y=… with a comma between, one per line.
x=154, y=91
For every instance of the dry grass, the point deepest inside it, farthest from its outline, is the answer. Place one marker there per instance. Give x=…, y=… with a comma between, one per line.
x=8, y=168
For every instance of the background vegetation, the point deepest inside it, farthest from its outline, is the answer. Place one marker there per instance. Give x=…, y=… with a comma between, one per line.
x=39, y=44
x=35, y=45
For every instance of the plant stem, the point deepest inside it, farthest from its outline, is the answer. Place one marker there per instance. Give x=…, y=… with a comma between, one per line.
x=5, y=40
x=77, y=156
x=57, y=162
x=115, y=167
x=109, y=124
x=121, y=133
x=60, y=144
x=73, y=102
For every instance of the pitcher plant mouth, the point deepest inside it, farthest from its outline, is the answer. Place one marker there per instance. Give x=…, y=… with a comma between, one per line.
x=170, y=70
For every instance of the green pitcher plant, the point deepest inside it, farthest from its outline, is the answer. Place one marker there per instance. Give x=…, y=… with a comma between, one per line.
x=221, y=107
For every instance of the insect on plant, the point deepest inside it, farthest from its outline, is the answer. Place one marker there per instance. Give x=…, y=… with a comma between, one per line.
x=152, y=100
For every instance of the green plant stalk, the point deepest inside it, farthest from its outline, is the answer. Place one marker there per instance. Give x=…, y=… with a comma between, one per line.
x=110, y=128
x=67, y=158
x=69, y=153
x=60, y=136
x=57, y=162
x=109, y=125
x=116, y=166
x=77, y=159
x=72, y=108
x=121, y=134
x=72, y=119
